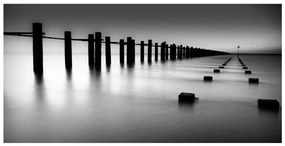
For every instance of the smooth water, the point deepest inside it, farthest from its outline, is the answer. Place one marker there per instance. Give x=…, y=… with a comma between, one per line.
x=140, y=104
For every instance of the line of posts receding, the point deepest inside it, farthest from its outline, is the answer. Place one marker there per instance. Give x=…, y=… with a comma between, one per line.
x=167, y=51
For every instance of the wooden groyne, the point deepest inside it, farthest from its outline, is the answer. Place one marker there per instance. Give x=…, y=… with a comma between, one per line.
x=167, y=51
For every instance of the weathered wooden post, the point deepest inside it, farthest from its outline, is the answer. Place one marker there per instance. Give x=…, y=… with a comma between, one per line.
x=133, y=51
x=184, y=52
x=188, y=52
x=91, y=49
x=191, y=52
x=98, y=52
x=122, y=51
x=108, y=50
x=156, y=51
x=129, y=50
x=178, y=52
x=149, y=50
x=166, y=51
x=172, y=52
x=38, y=49
x=142, y=51
x=162, y=51
x=68, y=50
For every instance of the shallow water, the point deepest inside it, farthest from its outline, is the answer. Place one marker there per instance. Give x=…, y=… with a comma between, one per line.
x=139, y=104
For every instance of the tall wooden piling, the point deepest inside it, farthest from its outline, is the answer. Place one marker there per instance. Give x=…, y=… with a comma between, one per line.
x=162, y=51
x=68, y=50
x=187, y=52
x=108, y=50
x=184, y=52
x=166, y=52
x=98, y=52
x=191, y=52
x=149, y=50
x=172, y=52
x=133, y=51
x=37, y=49
x=156, y=51
x=91, y=50
x=142, y=51
x=129, y=50
x=122, y=51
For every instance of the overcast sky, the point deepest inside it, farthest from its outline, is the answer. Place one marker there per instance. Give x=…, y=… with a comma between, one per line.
x=256, y=28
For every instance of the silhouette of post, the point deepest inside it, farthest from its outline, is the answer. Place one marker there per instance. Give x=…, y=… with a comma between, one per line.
x=162, y=51
x=156, y=51
x=122, y=51
x=149, y=50
x=187, y=52
x=172, y=52
x=142, y=51
x=98, y=52
x=68, y=50
x=129, y=50
x=191, y=52
x=108, y=50
x=184, y=52
x=37, y=49
x=177, y=52
x=181, y=52
x=91, y=49
x=134, y=50
x=166, y=52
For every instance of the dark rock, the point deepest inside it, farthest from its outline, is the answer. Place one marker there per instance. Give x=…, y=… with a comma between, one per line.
x=244, y=67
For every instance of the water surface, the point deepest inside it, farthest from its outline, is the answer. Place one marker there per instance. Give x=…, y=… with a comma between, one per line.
x=139, y=104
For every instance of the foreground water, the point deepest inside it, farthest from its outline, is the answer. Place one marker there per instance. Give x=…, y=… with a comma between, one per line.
x=139, y=104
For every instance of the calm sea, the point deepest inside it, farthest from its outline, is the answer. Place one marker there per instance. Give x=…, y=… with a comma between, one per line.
x=140, y=104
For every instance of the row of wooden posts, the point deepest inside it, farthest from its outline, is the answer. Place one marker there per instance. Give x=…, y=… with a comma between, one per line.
x=168, y=52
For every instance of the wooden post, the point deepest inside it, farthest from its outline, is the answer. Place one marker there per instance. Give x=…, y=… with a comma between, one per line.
x=91, y=49
x=133, y=51
x=156, y=51
x=166, y=51
x=108, y=50
x=68, y=50
x=191, y=52
x=37, y=49
x=187, y=52
x=178, y=52
x=181, y=52
x=162, y=51
x=172, y=52
x=142, y=51
x=129, y=50
x=149, y=50
x=122, y=51
x=98, y=52
x=184, y=52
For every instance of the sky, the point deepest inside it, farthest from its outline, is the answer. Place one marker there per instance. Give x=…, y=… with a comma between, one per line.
x=256, y=28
